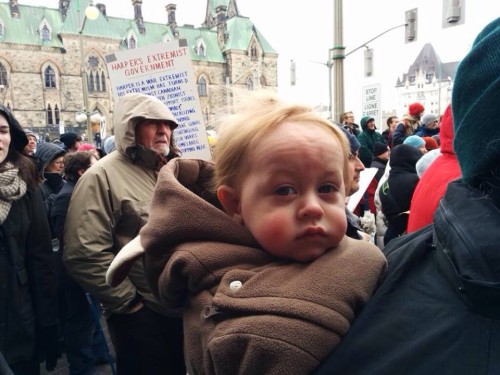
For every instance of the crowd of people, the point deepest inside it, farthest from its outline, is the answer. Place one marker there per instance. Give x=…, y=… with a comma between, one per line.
x=252, y=263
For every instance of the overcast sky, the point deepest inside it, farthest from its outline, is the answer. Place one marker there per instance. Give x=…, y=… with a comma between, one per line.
x=303, y=31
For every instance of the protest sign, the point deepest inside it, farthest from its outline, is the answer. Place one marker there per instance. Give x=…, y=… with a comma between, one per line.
x=371, y=103
x=365, y=177
x=165, y=71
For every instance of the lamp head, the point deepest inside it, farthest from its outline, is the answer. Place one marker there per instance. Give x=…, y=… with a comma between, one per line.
x=92, y=12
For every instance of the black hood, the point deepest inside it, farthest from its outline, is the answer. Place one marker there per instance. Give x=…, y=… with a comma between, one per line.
x=19, y=140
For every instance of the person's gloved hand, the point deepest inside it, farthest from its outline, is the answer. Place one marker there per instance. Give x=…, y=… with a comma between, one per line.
x=48, y=346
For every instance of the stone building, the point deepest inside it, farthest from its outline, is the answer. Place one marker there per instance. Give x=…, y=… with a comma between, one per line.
x=43, y=82
x=428, y=81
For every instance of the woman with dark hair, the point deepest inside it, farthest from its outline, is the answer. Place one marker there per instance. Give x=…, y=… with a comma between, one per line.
x=28, y=304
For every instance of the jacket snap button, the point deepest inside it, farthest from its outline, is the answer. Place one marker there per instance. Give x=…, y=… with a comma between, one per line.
x=235, y=285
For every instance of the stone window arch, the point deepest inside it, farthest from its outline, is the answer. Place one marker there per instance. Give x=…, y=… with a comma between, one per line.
x=45, y=31
x=49, y=77
x=94, y=67
x=202, y=86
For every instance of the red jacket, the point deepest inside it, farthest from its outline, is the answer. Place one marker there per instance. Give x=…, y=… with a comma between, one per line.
x=433, y=183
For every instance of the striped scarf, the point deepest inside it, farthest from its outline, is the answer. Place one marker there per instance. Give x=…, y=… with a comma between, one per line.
x=11, y=189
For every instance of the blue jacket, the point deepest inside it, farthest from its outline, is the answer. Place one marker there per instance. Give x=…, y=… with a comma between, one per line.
x=438, y=311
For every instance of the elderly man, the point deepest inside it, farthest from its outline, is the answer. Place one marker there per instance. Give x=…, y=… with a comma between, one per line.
x=109, y=206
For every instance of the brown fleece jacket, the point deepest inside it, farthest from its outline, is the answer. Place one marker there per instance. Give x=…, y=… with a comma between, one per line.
x=246, y=312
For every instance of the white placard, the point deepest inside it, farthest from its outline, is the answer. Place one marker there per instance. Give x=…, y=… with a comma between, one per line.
x=165, y=71
x=365, y=177
x=371, y=103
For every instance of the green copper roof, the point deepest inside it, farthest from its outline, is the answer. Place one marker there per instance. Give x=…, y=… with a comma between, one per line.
x=240, y=31
x=24, y=30
x=209, y=37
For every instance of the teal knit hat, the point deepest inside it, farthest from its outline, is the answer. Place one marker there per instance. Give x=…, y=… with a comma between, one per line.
x=476, y=106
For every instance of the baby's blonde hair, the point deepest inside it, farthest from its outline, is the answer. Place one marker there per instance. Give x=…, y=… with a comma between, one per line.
x=255, y=117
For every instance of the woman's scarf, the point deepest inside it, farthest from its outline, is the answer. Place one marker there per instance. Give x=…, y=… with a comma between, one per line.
x=12, y=187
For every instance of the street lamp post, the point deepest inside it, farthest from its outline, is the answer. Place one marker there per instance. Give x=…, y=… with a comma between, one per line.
x=91, y=12
x=337, y=58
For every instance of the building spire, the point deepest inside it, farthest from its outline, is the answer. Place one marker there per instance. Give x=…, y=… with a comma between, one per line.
x=138, y=15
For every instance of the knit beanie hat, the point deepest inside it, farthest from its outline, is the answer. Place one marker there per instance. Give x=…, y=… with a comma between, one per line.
x=475, y=105
x=379, y=148
x=428, y=118
x=415, y=109
x=46, y=152
x=353, y=141
x=69, y=139
x=430, y=143
x=86, y=147
x=415, y=141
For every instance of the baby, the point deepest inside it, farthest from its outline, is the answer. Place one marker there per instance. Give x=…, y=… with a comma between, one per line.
x=252, y=249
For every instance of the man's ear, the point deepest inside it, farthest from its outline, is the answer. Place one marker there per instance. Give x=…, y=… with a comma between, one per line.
x=230, y=200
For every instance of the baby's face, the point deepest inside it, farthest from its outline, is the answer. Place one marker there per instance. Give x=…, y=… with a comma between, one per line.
x=292, y=197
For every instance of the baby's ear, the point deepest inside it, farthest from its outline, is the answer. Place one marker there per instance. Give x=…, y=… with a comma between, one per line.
x=230, y=200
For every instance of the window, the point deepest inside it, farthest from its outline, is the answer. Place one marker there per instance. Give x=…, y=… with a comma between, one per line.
x=1, y=29
x=202, y=87
x=50, y=118
x=103, y=82
x=3, y=76
x=201, y=48
x=90, y=83
x=45, y=33
x=50, y=77
x=57, y=115
x=253, y=53
x=250, y=84
x=131, y=42
x=96, y=80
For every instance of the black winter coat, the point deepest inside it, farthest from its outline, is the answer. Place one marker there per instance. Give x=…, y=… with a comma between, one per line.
x=27, y=284
x=397, y=191
x=438, y=310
